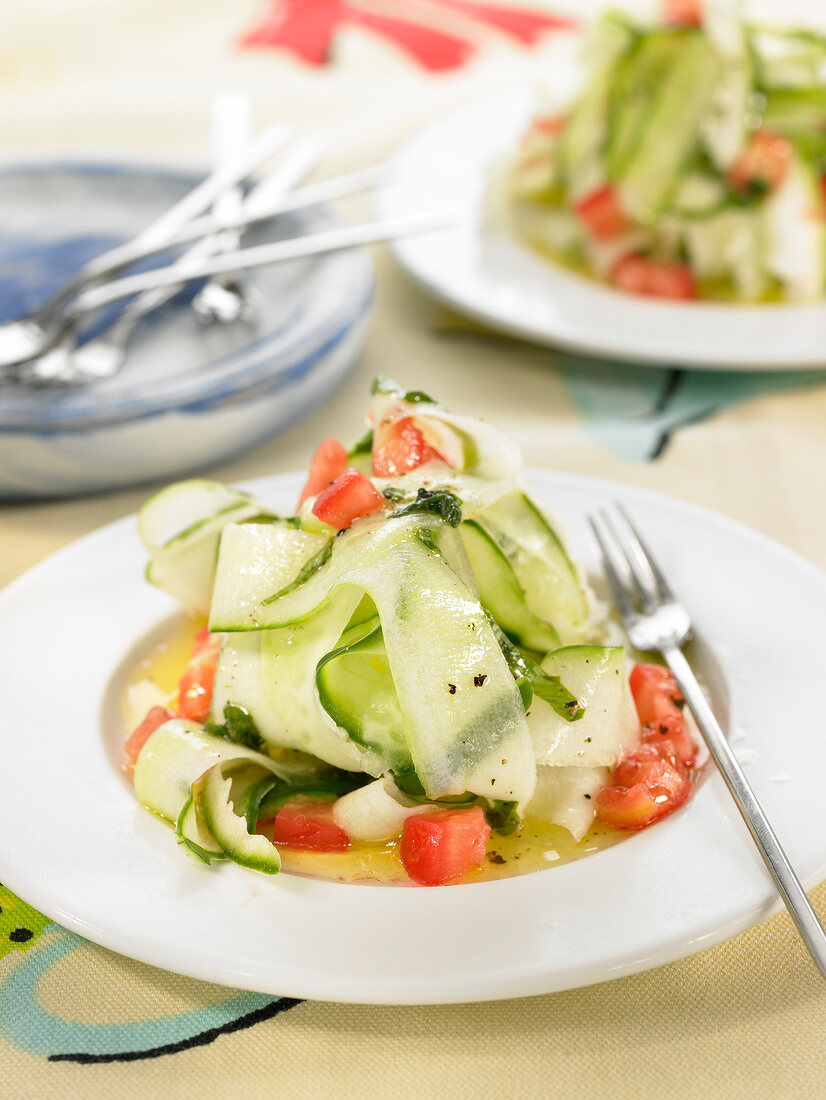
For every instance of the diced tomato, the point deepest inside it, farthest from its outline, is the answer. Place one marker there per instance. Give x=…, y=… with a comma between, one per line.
x=655, y=789
x=328, y=463
x=602, y=213
x=656, y=695
x=765, y=160
x=638, y=275
x=671, y=729
x=195, y=688
x=647, y=683
x=683, y=13
x=309, y=825
x=547, y=126
x=441, y=845
x=350, y=496
x=400, y=447
x=155, y=716
x=631, y=768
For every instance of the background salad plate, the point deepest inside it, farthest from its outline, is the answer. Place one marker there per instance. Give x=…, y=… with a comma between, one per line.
x=484, y=271
x=188, y=395
x=78, y=847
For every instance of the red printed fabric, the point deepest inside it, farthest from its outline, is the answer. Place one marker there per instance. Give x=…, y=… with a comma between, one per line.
x=307, y=28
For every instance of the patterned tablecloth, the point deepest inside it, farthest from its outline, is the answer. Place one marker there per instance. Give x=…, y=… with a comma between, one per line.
x=745, y=1018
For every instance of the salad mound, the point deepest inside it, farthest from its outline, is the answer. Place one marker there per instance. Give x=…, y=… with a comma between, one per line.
x=412, y=658
x=692, y=164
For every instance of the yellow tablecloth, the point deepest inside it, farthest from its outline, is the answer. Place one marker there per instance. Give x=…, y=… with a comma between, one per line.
x=745, y=1018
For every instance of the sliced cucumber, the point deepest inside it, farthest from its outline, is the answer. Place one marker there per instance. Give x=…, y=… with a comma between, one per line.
x=699, y=195
x=257, y=561
x=554, y=590
x=586, y=132
x=357, y=691
x=669, y=139
x=273, y=673
x=377, y=811
x=500, y=592
x=795, y=226
x=215, y=795
x=730, y=245
x=193, y=835
x=597, y=676
x=723, y=130
x=634, y=95
x=566, y=796
x=464, y=719
x=176, y=754
x=794, y=111
x=788, y=60
x=181, y=527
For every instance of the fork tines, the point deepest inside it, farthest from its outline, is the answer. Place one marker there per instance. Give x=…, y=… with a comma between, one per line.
x=629, y=563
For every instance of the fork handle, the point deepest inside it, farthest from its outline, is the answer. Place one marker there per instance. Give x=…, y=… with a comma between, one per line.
x=791, y=890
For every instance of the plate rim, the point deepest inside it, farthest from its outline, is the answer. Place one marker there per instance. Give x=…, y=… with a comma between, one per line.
x=509, y=985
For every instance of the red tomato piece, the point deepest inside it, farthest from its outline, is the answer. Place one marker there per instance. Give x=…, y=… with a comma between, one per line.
x=670, y=727
x=441, y=845
x=656, y=695
x=309, y=825
x=764, y=160
x=400, y=447
x=155, y=716
x=350, y=496
x=683, y=13
x=647, y=683
x=195, y=688
x=631, y=768
x=544, y=127
x=654, y=789
x=602, y=213
x=328, y=463
x=638, y=275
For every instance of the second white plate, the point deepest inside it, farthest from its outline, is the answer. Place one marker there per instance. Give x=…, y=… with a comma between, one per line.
x=78, y=846
x=491, y=276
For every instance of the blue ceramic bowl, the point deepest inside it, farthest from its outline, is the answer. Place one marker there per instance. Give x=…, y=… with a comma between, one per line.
x=188, y=396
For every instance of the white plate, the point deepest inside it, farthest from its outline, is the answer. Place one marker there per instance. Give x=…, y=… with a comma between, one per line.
x=487, y=273
x=77, y=846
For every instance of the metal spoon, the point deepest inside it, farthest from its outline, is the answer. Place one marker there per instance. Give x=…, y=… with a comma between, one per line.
x=29, y=336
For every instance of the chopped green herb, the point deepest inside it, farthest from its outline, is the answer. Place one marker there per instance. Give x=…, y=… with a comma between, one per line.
x=533, y=680
x=306, y=571
x=238, y=726
x=441, y=503
x=416, y=397
x=362, y=446
x=502, y=816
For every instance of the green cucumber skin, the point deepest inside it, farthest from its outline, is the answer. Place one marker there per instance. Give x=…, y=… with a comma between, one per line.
x=345, y=684
x=501, y=593
x=427, y=649
x=597, y=676
x=211, y=794
x=669, y=139
x=193, y=834
x=554, y=591
x=634, y=96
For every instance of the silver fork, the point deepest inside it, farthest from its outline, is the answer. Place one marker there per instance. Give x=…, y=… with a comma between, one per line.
x=656, y=620
x=69, y=363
